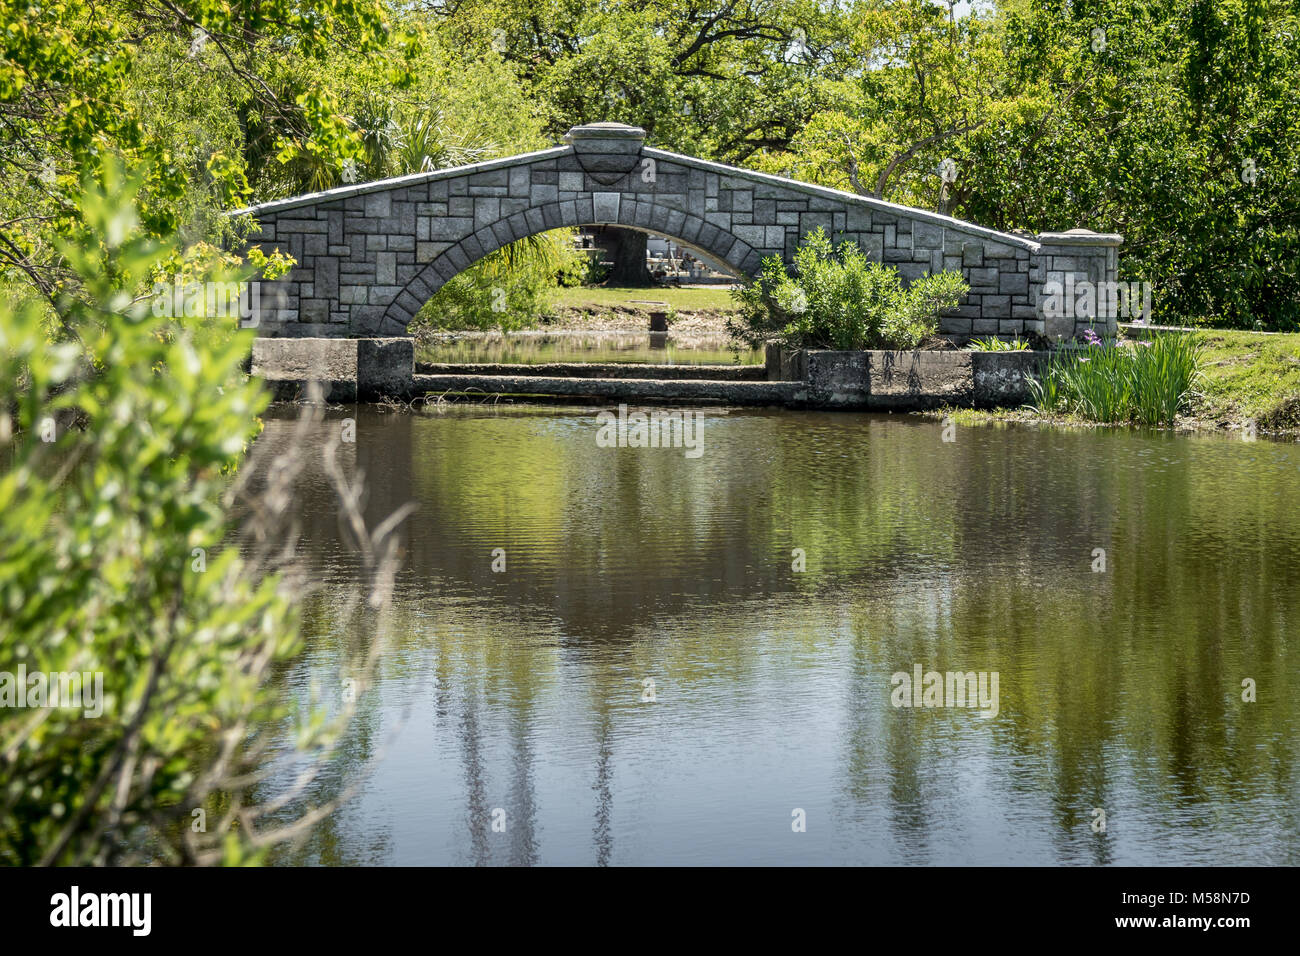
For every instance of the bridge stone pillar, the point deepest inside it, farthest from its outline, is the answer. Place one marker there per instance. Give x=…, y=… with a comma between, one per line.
x=1073, y=283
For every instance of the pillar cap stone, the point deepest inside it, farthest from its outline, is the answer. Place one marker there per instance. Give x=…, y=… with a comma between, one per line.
x=604, y=131
x=1081, y=237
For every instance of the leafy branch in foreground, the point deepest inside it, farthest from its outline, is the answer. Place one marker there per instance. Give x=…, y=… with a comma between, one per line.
x=127, y=478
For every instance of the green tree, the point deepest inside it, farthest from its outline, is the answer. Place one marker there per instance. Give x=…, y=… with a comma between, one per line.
x=716, y=80
x=925, y=80
x=80, y=80
x=507, y=289
x=117, y=563
x=724, y=81
x=1175, y=125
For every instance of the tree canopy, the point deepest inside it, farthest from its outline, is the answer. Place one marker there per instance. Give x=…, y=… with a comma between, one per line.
x=1172, y=123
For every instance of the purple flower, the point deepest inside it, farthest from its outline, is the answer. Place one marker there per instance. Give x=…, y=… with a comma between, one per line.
x=1091, y=337
x=1147, y=342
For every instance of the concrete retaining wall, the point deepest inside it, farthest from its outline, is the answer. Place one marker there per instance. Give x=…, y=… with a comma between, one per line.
x=348, y=369
x=710, y=373
x=906, y=381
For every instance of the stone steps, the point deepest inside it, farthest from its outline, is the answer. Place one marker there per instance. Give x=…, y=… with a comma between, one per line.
x=716, y=391
x=711, y=373
x=368, y=369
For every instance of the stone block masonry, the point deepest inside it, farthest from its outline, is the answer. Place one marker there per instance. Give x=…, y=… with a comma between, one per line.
x=369, y=256
x=1072, y=268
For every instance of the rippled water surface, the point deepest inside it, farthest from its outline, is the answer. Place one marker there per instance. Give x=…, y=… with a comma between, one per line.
x=522, y=691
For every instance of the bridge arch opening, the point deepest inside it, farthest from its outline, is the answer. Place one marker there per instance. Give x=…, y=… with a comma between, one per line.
x=710, y=244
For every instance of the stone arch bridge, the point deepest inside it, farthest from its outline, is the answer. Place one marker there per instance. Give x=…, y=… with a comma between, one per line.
x=370, y=255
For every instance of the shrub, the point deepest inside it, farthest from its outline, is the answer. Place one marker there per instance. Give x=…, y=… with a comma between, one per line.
x=125, y=466
x=838, y=299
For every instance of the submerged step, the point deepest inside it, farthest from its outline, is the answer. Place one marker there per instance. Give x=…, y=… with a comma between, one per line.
x=640, y=389
x=713, y=373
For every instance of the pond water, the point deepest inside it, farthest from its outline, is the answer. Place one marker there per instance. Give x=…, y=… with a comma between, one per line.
x=534, y=348
x=521, y=695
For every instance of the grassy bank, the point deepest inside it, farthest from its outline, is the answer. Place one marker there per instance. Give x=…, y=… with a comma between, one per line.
x=1244, y=377
x=693, y=311
x=1247, y=376
x=604, y=324
x=708, y=299
x=700, y=311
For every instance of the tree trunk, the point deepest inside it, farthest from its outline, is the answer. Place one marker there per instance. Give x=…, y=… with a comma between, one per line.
x=625, y=248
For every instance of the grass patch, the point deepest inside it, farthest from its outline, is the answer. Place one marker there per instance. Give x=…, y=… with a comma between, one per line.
x=1148, y=382
x=1241, y=377
x=1246, y=376
x=995, y=344
x=967, y=416
x=715, y=298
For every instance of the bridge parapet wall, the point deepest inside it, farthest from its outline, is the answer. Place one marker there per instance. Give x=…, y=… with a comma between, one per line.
x=369, y=256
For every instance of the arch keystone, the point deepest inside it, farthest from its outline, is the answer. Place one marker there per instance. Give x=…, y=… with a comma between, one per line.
x=606, y=151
